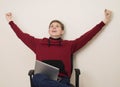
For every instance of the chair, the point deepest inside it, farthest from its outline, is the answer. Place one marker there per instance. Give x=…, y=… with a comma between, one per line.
x=77, y=73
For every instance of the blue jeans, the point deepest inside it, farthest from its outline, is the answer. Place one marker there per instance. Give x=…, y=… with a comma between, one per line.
x=40, y=80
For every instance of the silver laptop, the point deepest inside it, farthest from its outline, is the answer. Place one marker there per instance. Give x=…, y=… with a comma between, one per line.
x=46, y=69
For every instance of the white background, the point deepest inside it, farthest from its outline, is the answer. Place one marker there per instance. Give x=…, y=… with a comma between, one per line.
x=99, y=60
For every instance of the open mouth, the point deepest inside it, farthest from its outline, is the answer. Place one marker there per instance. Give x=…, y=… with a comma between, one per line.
x=54, y=31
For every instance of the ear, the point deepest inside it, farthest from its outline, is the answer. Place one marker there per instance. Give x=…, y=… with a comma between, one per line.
x=62, y=32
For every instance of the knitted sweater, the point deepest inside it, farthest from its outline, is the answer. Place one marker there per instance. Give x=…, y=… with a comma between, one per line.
x=57, y=51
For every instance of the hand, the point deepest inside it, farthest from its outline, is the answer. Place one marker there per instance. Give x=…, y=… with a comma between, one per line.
x=9, y=16
x=108, y=14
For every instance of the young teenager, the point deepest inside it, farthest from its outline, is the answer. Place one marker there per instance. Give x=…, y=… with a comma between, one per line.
x=54, y=50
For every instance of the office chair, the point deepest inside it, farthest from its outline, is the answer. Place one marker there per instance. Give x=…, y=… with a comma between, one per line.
x=77, y=73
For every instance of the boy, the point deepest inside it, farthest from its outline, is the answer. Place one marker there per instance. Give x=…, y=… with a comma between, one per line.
x=56, y=51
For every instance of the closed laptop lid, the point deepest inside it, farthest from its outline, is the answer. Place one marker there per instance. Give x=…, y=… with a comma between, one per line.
x=46, y=69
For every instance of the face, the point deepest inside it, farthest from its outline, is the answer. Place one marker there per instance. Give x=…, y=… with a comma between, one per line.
x=55, y=30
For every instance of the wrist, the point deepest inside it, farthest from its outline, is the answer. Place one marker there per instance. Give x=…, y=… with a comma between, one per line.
x=9, y=20
x=106, y=21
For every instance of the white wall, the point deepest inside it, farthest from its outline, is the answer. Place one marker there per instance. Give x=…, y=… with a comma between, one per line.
x=99, y=60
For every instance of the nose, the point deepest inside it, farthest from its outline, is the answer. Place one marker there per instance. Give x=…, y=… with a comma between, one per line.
x=54, y=27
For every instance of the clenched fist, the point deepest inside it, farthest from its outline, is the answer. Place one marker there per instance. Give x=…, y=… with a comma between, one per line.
x=9, y=16
x=108, y=15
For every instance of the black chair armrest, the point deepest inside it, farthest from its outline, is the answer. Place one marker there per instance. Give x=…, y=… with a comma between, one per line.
x=77, y=73
x=31, y=72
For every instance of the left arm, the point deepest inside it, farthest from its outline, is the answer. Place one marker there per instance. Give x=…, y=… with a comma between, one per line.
x=80, y=42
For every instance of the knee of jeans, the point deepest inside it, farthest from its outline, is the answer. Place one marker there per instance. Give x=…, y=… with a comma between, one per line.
x=40, y=77
x=39, y=80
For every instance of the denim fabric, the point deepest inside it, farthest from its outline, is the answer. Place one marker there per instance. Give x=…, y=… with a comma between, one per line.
x=40, y=80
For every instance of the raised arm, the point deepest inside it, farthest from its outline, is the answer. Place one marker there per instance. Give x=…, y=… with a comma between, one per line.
x=30, y=41
x=81, y=41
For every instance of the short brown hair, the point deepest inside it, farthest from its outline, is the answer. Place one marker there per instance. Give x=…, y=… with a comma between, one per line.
x=62, y=25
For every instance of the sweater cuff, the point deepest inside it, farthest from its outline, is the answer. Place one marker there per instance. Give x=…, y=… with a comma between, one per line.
x=11, y=22
x=102, y=23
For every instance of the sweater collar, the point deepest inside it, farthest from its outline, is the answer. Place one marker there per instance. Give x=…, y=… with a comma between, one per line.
x=58, y=40
x=55, y=38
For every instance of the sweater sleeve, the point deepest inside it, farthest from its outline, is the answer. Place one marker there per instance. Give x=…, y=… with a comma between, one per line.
x=80, y=42
x=30, y=41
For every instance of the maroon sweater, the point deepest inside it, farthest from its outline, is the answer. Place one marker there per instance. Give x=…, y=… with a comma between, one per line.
x=58, y=51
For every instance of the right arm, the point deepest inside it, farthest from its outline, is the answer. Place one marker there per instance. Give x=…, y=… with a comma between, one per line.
x=30, y=41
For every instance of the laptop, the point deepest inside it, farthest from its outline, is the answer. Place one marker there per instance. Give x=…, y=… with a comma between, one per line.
x=46, y=69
